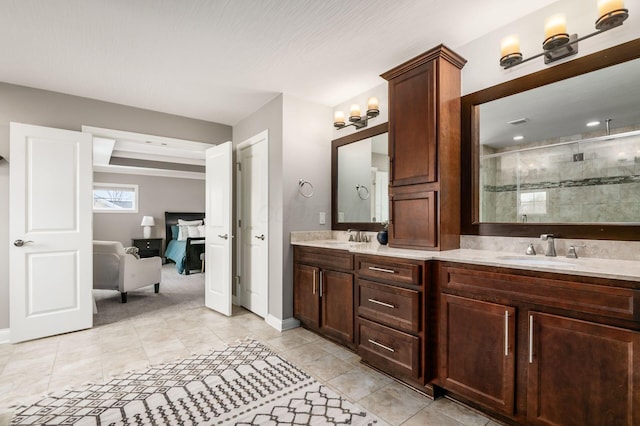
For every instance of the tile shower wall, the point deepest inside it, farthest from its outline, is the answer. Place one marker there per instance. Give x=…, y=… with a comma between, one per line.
x=581, y=182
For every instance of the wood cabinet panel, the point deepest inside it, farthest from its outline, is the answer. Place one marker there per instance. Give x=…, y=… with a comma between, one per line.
x=582, y=373
x=477, y=351
x=393, y=306
x=412, y=126
x=391, y=270
x=306, y=296
x=389, y=349
x=323, y=297
x=324, y=258
x=615, y=302
x=413, y=218
x=424, y=148
x=337, y=304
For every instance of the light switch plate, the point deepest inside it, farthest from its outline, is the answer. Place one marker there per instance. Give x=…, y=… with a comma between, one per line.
x=323, y=218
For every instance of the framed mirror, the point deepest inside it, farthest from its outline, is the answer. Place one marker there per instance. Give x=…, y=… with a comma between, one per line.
x=360, y=180
x=557, y=151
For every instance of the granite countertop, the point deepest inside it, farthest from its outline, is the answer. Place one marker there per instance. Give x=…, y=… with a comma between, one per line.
x=628, y=270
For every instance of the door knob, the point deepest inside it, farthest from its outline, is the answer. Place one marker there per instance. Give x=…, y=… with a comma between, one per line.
x=20, y=243
x=260, y=237
x=224, y=237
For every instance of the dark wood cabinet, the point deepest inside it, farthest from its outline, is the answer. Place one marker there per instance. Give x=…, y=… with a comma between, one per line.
x=323, y=292
x=582, y=373
x=390, y=322
x=336, y=295
x=306, y=298
x=424, y=150
x=477, y=351
x=540, y=348
x=148, y=247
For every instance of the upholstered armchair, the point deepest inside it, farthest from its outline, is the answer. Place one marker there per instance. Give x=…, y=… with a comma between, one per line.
x=114, y=269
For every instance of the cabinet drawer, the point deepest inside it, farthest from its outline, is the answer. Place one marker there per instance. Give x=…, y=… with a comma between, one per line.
x=323, y=258
x=390, y=269
x=389, y=349
x=614, y=302
x=390, y=305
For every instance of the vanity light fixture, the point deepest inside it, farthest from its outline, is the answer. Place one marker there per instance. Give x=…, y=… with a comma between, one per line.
x=558, y=43
x=355, y=118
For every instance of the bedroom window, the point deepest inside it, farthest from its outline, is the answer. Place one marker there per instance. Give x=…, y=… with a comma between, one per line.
x=115, y=198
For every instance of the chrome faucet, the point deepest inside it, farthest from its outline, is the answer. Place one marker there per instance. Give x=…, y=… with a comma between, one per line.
x=551, y=248
x=358, y=235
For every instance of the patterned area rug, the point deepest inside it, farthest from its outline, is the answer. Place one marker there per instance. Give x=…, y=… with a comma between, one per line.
x=245, y=384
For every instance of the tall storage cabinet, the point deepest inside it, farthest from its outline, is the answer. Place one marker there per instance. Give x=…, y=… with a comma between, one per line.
x=424, y=148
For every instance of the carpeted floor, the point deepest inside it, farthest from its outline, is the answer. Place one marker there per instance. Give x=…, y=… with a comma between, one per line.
x=175, y=289
x=244, y=384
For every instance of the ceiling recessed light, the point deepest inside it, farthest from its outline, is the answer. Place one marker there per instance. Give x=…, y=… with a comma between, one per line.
x=593, y=123
x=518, y=138
x=518, y=121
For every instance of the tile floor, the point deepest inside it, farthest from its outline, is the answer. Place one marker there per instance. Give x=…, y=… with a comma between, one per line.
x=30, y=369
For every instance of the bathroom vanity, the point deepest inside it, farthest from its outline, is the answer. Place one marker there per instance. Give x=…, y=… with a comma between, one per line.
x=531, y=340
x=527, y=340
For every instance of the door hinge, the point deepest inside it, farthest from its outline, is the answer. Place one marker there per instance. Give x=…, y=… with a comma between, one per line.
x=239, y=223
x=239, y=166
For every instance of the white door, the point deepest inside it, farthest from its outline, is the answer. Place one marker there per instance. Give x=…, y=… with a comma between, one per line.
x=50, y=228
x=253, y=211
x=218, y=228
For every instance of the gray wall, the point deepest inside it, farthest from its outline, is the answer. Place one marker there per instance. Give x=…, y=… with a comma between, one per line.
x=269, y=117
x=156, y=195
x=44, y=108
x=306, y=155
x=299, y=147
x=483, y=54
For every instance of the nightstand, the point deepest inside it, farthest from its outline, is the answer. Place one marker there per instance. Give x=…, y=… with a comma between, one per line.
x=148, y=247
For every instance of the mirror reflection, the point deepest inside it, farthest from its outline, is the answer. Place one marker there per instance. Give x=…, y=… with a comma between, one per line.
x=567, y=152
x=363, y=181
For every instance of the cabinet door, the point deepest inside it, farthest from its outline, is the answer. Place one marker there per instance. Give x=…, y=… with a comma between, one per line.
x=306, y=295
x=582, y=373
x=412, y=126
x=477, y=357
x=337, y=304
x=413, y=219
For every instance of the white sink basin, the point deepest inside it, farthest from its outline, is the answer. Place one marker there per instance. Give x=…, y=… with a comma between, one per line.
x=535, y=260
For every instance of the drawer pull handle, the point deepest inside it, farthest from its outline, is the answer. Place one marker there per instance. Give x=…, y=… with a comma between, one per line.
x=388, y=271
x=530, y=339
x=506, y=333
x=314, y=283
x=377, y=302
x=373, y=342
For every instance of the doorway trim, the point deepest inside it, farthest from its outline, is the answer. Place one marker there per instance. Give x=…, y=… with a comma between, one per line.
x=262, y=136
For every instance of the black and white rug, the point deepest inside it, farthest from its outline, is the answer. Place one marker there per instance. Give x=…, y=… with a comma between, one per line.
x=245, y=384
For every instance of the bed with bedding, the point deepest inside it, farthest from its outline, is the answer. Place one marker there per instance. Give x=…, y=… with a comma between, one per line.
x=185, y=240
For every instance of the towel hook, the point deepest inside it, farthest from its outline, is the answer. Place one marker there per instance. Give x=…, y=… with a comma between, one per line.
x=308, y=192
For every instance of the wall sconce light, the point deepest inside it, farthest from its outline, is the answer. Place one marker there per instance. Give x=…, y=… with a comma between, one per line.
x=558, y=43
x=355, y=118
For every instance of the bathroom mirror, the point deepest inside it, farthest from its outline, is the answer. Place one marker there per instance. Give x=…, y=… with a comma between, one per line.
x=557, y=151
x=360, y=180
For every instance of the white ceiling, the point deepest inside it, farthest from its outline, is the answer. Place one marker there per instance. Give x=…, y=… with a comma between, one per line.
x=221, y=60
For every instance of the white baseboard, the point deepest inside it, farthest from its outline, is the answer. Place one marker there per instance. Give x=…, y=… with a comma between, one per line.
x=5, y=335
x=282, y=325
